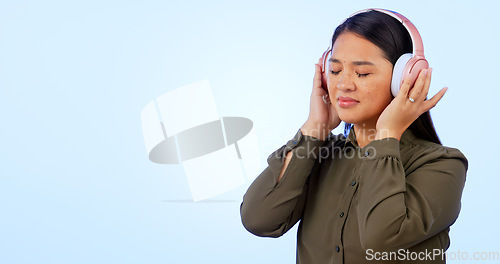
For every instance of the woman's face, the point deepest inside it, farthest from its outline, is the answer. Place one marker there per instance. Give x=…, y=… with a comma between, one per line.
x=359, y=80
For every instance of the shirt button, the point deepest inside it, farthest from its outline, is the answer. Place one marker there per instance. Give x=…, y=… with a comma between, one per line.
x=294, y=142
x=367, y=154
x=337, y=249
x=341, y=214
x=353, y=183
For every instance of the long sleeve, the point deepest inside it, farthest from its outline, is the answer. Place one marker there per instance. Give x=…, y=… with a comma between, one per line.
x=401, y=204
x=270, y=208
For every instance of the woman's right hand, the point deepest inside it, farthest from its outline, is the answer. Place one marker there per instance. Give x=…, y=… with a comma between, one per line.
x=323, y=117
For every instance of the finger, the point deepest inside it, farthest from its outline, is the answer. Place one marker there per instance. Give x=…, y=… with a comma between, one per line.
x=317, y=76
x=318, y=89
x=416, y=91
x=320, y=60
x=429, y=104
x=427, y=83
x=403, y=91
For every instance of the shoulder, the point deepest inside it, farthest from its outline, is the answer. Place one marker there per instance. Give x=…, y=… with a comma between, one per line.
x=416, y=151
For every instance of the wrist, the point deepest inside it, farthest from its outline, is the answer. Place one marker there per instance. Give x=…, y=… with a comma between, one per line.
x=318, y=131
x=388, y=133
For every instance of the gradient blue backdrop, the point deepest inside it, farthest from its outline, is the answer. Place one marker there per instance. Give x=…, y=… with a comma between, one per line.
x=76, y=185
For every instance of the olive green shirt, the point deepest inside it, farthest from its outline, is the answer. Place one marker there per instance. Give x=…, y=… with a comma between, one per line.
x=389, y=202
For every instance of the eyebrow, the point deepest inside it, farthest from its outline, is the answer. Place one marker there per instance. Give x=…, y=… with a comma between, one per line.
x=354, y=62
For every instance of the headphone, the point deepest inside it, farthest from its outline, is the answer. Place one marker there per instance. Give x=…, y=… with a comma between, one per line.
x=408, y=65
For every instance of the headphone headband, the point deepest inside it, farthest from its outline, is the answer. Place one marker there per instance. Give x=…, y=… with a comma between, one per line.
x=418, y=45
x=408, y=65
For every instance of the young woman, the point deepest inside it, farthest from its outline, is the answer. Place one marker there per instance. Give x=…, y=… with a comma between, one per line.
x=387, y=191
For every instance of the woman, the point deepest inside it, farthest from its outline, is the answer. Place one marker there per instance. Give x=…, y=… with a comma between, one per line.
x=387, y=191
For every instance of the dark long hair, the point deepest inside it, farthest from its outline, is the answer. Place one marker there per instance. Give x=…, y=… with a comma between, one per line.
x=393, y=39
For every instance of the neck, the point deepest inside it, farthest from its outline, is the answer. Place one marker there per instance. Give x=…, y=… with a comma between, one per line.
x=365, y=133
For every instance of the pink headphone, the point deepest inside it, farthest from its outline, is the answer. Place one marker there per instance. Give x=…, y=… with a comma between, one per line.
x=409, y=64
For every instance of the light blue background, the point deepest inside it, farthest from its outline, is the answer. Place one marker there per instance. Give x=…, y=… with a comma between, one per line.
x=76, y=185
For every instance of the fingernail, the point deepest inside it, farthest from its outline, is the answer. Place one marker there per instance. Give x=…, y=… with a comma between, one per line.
x=425, y=72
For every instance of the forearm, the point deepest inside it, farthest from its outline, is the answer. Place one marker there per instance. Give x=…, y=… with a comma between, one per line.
x=274, y=201
x=400, y=205
x=270, y=208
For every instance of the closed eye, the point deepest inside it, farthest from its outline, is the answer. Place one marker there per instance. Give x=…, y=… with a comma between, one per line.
x=334, y=72
x=362, y=75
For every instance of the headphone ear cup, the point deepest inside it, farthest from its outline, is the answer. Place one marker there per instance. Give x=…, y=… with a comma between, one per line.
x=398, y=72
x=324, y=68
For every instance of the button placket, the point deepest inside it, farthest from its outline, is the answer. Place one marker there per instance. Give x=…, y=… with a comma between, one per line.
x=351, y=184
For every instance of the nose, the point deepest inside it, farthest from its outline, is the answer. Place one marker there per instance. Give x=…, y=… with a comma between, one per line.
x=345, y=82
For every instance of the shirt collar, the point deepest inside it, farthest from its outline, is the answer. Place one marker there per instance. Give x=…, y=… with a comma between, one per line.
x=351, y=139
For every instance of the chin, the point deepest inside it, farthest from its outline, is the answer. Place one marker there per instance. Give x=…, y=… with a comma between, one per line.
x=357, y=116
x=348, y=117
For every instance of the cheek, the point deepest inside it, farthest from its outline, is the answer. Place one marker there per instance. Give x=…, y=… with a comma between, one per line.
x=380, y=94
x=332, y=85
x=376, y=91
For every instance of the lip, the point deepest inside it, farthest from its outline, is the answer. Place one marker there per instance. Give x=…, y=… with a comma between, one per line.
x=346, y=101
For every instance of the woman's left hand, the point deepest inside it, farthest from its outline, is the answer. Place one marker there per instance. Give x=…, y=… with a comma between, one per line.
x=407, y=106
